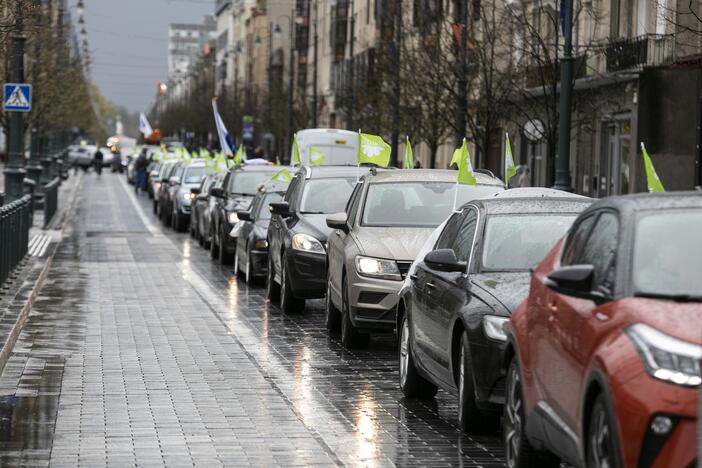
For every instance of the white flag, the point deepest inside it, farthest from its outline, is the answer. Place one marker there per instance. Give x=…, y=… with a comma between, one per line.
x=225, y=141
x=144, y=125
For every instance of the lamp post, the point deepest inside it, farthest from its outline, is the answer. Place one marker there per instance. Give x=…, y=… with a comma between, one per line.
x=291, y=73
x=314, y=69
x=563, y=181
x=14, y=173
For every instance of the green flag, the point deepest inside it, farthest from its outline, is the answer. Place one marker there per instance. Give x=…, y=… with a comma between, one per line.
x=186, y=157
x=652, y=179
x=372, y=149
x=409, y=155
x=316, y=156
x=456, y=158
x=282, y=175
x=240, y=155
x=466, y=176
x=510, y=168
x=296, y=152
x=277, y=161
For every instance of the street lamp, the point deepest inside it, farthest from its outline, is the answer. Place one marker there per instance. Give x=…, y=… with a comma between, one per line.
x=80, y=8
x=293, y=21
x=563, y=181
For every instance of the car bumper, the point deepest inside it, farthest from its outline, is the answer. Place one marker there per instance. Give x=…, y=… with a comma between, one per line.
x=308, y=274
x=372, y=302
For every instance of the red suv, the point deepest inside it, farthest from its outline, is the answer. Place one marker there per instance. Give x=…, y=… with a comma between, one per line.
x=604, y=355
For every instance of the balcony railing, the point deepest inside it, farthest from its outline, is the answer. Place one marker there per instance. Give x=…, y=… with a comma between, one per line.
x=637, y=52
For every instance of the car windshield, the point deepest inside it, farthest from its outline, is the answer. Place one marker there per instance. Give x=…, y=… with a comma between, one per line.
x=518, y=242
x=270, y=197
x=246, y=183
x=417, y=204
x=193, y=175
x=667, y=255
x=326, y=196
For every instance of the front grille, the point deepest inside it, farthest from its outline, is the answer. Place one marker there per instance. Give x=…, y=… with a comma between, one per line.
x=404, y=267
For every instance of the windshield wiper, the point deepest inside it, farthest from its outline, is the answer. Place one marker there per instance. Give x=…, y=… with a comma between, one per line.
x=670, y=297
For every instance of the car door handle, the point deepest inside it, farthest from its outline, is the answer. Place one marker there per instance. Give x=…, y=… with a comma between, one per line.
x=413, y=277
x=431, y=286
x=553, y=306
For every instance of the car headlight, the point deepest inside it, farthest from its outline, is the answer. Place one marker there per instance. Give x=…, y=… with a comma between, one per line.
x=494, y=327
x=187, y=196
x=307, y=243
x=233, y=217
x=157, y=185
x=261, y=244
x=378, y=268
x=667, y=358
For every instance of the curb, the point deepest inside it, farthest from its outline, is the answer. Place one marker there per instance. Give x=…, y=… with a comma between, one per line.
x=38, y=283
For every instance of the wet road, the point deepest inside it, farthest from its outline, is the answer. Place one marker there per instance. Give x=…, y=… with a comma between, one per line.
x=141, y=351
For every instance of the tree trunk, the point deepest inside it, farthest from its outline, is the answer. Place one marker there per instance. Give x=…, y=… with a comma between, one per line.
x=433, y=148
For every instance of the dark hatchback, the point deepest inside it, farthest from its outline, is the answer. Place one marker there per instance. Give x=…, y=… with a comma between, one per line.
x=458, y=297
x=252, y=245
x=236, y=193
x=298, y=232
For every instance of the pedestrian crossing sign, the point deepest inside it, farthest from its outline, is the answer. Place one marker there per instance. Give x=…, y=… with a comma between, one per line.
x=17, y=97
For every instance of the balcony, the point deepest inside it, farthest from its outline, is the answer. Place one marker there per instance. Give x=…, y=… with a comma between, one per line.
x=635, y=53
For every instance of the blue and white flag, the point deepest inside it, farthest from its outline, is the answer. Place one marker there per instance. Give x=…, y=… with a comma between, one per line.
x=144, y=126
x=225, y=141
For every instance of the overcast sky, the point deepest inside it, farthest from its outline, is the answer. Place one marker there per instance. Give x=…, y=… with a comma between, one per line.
x=128, y=40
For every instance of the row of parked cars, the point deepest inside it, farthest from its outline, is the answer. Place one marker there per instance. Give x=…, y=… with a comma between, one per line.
x=576, y=323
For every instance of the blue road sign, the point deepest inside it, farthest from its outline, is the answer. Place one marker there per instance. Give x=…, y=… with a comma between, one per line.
x=17, y=97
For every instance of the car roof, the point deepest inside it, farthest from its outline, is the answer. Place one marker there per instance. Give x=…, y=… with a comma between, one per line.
x=255, y=168
x=532, y=200
x=650, y=201
x=314, y=172
x=273, y=186
x=428, y=175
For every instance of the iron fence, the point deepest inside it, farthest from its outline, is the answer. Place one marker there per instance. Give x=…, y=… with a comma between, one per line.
x=50, y=200
x=15, y=221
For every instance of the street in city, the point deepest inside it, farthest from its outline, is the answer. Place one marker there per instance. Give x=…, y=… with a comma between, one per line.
x=141, y=350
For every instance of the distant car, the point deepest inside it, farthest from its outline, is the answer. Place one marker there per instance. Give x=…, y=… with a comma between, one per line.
x=165, y=190
x=340, y=147
x=236, y=193
x=186, y=177
x=107, y=156
x=152, y=174
x=604, y=355
x=297, y=233
x=389, y=217
x=252, y=243
x=157, y=182
x=460, y=295
x=202, y=207
x=83, y=156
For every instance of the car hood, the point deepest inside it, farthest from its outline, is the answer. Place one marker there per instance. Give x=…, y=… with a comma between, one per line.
x=498, y=290
x=313, y=224
x=681, y=320
x=399, y=243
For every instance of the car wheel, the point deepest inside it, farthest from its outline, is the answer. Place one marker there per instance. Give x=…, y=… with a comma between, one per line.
x=518, y=450
x=350, y=336
x=411, y=383
x=249, y=274
x=225, y=258
x=470, y=418
x=333, y=315
x=214, y=250
x=200, y=239
x=272, y=288
x=154, y=206
x=179, y=222
x=288, y=302
x=602, y=447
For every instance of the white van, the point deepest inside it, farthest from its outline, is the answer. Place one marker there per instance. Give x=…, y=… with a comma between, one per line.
x=340, y=147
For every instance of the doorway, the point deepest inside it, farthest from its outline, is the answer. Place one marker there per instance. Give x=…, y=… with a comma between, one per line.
x=613, y=171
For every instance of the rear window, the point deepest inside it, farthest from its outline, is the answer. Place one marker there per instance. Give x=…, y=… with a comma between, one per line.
x=193, y=175
x=246, y=183
x=326, y=196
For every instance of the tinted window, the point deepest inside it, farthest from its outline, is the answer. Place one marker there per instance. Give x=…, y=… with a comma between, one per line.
x=270, y=197
x=519, y=242
x=354, y=203
x=667, y=254
x=600, y=251
x=576, y=240
x=326, y=195
x=464, y=240
x=448, y=235
x=246, y=183
x=293, y=192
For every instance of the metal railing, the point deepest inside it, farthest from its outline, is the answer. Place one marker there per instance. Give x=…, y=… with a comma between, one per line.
x=50, y=200
x=634, y=53
x=15, y=221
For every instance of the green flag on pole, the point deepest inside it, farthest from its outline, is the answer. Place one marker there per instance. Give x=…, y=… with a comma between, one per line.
x=456, y=158
x=296, y=152
x=316, y=156
x=466, y=176
x=277, y=161
x=652, y=179
x=240, y=155
x=372, y=149
x=510, y=168
x=409, y=155
x=282, y=175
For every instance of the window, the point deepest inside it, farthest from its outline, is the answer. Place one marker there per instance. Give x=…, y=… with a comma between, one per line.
x=271, y=197
x=574, y=245
x=293, y=192
x=464, y=240
x=354, y=202
x=450, y=231
x=246, y=183
x=600, y=252
x=326, y=196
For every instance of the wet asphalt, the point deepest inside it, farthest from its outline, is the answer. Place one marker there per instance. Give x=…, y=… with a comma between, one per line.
x=141, y=351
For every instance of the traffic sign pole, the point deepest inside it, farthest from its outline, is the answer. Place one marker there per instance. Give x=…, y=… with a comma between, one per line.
x=14, y=172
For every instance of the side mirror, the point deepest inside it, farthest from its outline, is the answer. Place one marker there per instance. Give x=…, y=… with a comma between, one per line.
x=574, y=280
x=280, y=208
x=338, y=221
x=153, y=173
x=195, y=190
x=244, y=215
x=217, y=192
x=173, y=181
x=444, y=260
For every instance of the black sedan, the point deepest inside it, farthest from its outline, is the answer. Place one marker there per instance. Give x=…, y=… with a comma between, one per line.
x=251, y=258
x=298, y=232
x=453, y=307
x=236, y=193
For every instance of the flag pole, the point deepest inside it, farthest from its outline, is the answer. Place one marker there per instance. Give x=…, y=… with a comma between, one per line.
x=358, y=158
x=455, y=197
